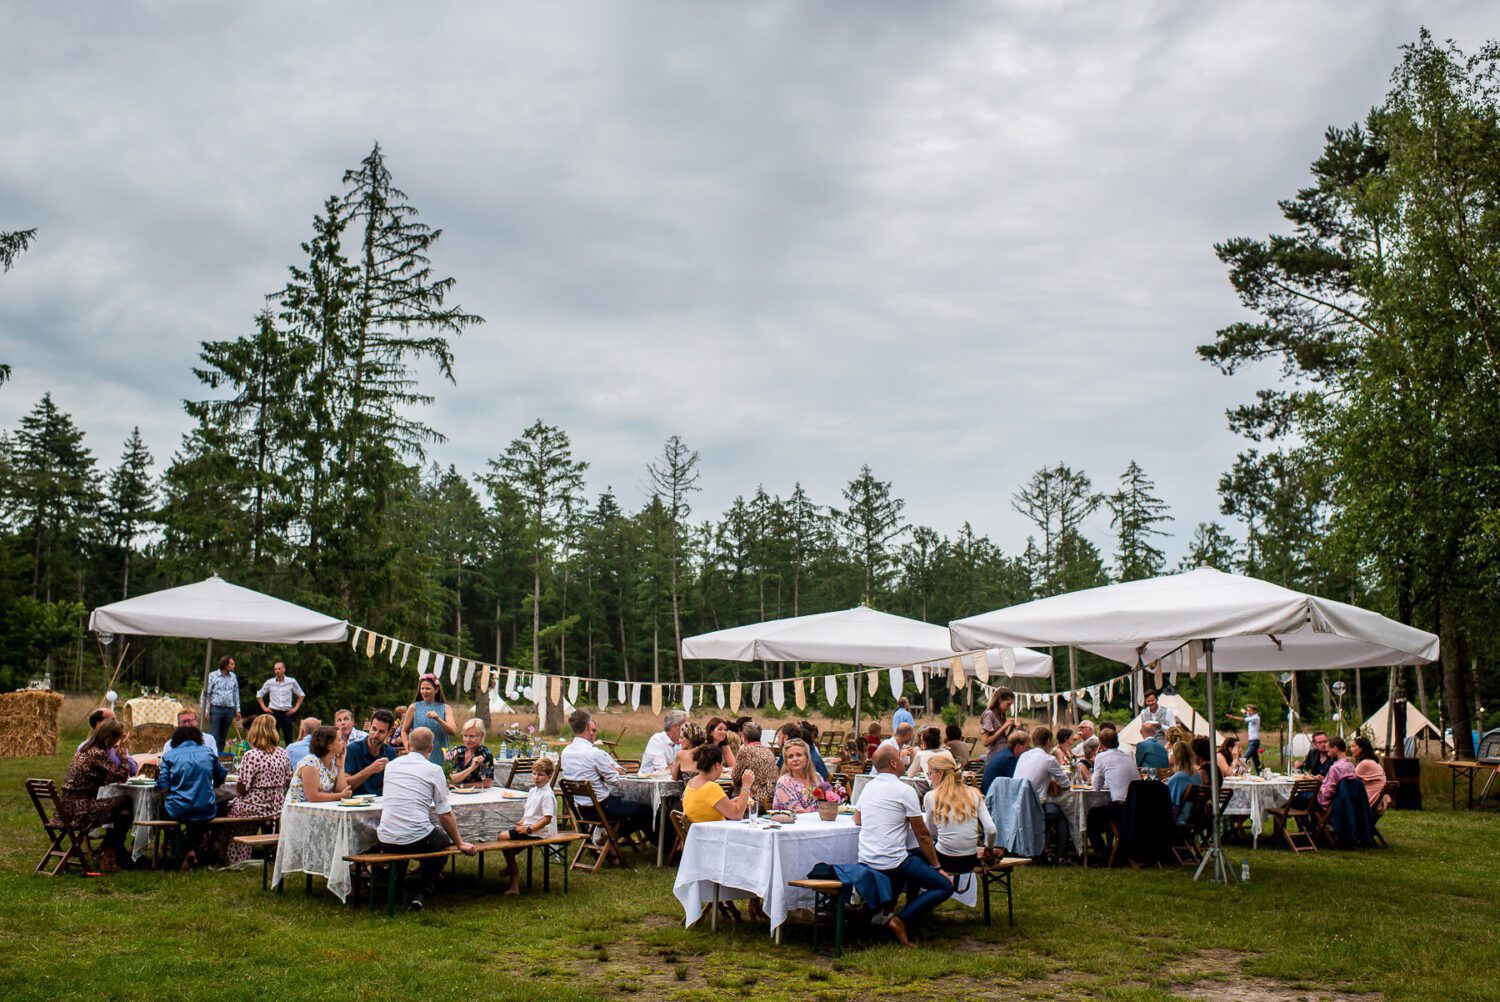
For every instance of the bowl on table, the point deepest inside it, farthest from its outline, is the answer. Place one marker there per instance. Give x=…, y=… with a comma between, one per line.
x=785, y=817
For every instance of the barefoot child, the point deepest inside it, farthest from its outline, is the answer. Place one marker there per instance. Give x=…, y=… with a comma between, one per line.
x=538, y=819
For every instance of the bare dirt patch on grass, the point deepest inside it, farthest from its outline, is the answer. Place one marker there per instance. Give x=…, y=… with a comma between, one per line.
x=1222, y=976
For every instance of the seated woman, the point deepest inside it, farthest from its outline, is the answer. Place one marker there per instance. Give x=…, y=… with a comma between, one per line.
x=794, y=789
x=953, y=740
x=188, y=774
x=1229, y=756
x=932, y=744
x=756, y=758
x=1203, y=757
x=1063, y=749
x=538, y=818
x=264, y=775
x=957, y=818
x=1369, y=771
x=1085, y=763
x=704, y=799
x=319, y=777
x=473, y=764
x=717, y=732
x=692, y=739
x=100, y=761
x=1183, y=776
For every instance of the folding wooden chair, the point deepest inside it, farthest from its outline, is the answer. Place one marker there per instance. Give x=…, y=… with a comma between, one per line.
x=1389, y=789
x=519, y=767
x=680, y=826
x=590, y=821
x=612, y=745
x=78, y=853
x=1301, y=839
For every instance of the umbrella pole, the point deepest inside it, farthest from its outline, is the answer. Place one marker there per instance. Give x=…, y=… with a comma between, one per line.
x=1215, y=851
x=208, y=667
x=859, y=695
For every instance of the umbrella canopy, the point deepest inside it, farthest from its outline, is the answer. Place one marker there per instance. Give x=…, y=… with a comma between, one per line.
x=860, y=636
x=217, y=610
x=1256, y=625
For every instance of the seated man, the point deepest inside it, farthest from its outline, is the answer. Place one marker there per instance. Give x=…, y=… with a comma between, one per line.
x=582, y=761
x=189, y=718
x=1339, y=769
x=901, y=742
x=1150, y=753
x=365, y=761
x=416, y=791
x=892, y=825
x=297, y=750
x=343, y=722
x=1318, y=760
x=1114, y=771
x=1003, y=762
x=662, y=748
x=1039, y=767
x=189, y=774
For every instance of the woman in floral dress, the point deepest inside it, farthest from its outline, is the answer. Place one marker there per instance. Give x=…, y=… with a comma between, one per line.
x=264, y=776
x=794, y=790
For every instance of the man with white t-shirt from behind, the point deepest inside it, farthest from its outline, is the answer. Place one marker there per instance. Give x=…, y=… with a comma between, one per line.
x=892, y=827
x=415, y=790
x=1039, y=767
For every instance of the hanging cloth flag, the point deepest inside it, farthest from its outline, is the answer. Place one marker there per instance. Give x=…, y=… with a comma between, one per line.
x=656, y=700
x=422, y=662
x=469, y=676
x=510, y=683
x=872, y=682
x=453, y=663
x=778, y=693
x=1008, y=661
x=635, y=696
x=687, y=698
x=919, y=678
x=982, y=665
x=1193, y=658
x=853, y=678
x=369, y=645
x=438, y=661
x=719, y=694
x=622, y=693
x=390, y=651
x=754, y=693
x=799, y=692
x=734, y=698
x=573, y=689
x=484, y=679
x=554, y=689
x=897, y=683
x=831, y=689
x=957, y=680
x=405, y=652
x=354, y=641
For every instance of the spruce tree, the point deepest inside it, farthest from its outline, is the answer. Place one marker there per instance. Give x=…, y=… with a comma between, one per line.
x=1135, y=513
x=129, y=504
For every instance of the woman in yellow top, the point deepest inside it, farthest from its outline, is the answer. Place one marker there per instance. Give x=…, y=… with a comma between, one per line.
x=704, y=799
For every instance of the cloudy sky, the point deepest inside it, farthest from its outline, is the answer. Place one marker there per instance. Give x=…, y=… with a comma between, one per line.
x=955, y=241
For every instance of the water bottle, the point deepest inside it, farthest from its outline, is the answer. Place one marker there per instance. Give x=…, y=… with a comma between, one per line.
x=1244, y=871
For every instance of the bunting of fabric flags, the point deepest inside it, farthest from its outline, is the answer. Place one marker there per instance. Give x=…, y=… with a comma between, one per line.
x=919, y=678
x=469, y=676
x=369, y=645
x=438, y=660
x=553, y=689
x=1008, y=662
x=1158, y=675
x=656, y=700
x=982, y=665
x=380, y=646
x=510, y=683
x=422, y=662
x=405, y=653
x=603, y=694
x=897, y=683
x=573, y=689
x=799, y=692
x=955, y=673
x=635, y=696
x=831, y=689
x=687, y=698
x=1192, y=653
x=719, y=694
x=734, y=698
x=390, y=651
x=754, y=693
x=354, y=640
x=853, y=687
x=778, y=693
x=872, y=682
x=484, y=679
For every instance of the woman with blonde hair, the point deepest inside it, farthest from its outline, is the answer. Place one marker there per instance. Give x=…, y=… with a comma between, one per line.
x=261, y=786
x=794, y=790
x=683, y=766
x=957, y=818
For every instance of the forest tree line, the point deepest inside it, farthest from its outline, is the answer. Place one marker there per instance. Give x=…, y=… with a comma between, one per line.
x=1369, y=473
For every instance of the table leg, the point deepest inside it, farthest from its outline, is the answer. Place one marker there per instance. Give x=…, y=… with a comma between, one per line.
x=713, y=915
x=661, y=831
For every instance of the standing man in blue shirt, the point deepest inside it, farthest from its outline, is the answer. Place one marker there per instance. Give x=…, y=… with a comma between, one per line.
x=285, y=698
x=189, y=774
x=902, y=715
x=221, y=701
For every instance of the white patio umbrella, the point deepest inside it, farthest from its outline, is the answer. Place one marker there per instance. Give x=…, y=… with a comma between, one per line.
x=217, y=610
x=859, y=636
x=1240, y=624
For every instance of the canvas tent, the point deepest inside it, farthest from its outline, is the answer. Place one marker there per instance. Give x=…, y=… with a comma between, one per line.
x=217, y=610
x=1418, y=727
x=1130, y=734
x=859, y=636
x=1204, y=620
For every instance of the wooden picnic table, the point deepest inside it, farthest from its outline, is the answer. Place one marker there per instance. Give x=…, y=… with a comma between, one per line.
x=1469, y=770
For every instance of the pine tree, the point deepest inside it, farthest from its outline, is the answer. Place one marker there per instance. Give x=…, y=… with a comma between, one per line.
x=671, y=478
x=1057, y=500
x=128, y=507
x=1211, y=546
x=56, y=495
x=1135, y=513
x=869, y=523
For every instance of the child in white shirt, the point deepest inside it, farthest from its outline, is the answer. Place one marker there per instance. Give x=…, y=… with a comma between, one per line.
x=539, y=816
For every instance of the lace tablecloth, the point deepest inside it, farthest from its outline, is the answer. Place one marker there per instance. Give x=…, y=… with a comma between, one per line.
x=315, y=838
x=747, y=860
x=863, y=779
x=1252, y=798
x=145, y=802
x=1076, y=805
x=654, y=790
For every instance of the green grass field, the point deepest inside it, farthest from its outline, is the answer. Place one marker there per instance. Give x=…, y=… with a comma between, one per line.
x=1415, y=921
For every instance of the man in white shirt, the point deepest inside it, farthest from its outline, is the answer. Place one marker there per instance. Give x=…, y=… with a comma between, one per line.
x=343, y=722
x=1251, y=720
x=283, y=697
x=892, y=825
x=1114, y=771
x=661, y=749
x=415, y=791
x=1039, y=767
x=1154, y=710
x=582, y=761
x=900, y=743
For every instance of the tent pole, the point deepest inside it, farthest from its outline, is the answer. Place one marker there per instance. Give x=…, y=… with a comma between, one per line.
x=208, y=667
x=1216, y=851
x=1073, y=685
x=859, y=695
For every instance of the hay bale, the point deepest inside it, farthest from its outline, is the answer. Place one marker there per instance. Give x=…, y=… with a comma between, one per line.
x=28, y=723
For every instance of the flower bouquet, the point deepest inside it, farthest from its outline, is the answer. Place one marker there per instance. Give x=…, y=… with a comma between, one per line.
x=828, y=797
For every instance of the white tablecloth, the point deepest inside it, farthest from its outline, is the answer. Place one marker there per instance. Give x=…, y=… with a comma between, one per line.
x=145, y=802
x=1076, y=805
x=651, y=791
x=746, y=861
x=1252, y=798
x=863, y=780
x=315, y=838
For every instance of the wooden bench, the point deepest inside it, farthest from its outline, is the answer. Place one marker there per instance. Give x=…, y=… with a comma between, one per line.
x=554, y=848
x=267, y=842
x=999, y=872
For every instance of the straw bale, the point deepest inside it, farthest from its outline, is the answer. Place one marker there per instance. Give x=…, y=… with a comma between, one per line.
x=28, y=723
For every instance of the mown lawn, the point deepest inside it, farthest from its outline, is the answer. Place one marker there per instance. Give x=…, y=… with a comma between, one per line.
x=1416, y=921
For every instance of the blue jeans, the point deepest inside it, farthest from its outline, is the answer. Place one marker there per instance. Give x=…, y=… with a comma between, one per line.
x=220, y=718
x=916, y=873
x=1252, y=753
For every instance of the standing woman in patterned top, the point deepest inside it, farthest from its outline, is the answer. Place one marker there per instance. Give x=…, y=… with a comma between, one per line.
x=432, y=712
